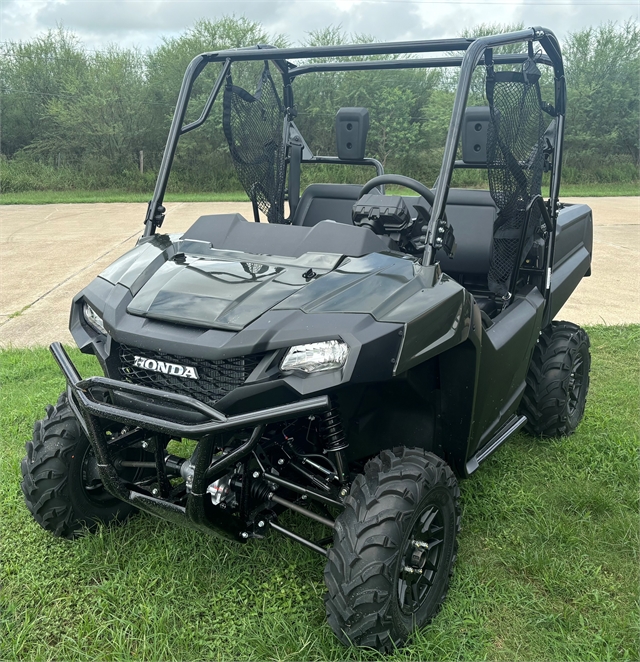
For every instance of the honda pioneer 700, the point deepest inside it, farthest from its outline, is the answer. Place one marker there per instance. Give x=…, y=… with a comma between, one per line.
x=349, y=360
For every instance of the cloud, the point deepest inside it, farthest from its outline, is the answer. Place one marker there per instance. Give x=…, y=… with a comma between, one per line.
x=145, y=22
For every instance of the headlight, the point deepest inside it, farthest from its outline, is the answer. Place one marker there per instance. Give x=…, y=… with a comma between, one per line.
x=316, y=357
x=93, y=319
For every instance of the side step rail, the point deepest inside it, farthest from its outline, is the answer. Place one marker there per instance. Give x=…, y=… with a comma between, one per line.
x=511, y=427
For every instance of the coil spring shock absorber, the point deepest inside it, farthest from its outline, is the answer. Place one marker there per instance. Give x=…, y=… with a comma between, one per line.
x=335, y=441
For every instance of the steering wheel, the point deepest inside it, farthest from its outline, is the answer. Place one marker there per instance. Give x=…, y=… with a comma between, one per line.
x=401, y=180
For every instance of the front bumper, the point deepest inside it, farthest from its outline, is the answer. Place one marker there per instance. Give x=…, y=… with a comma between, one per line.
x=86, y=397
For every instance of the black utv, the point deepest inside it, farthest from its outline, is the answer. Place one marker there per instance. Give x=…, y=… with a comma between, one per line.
x=350, y=359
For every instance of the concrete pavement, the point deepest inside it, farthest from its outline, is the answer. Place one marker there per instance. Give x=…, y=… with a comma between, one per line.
x=48, y=253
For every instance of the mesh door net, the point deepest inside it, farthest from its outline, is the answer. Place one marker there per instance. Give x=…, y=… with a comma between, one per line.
x=515, y=160
x=253, y=127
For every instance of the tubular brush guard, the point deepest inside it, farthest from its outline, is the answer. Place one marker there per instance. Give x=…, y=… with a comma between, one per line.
x=90, y=411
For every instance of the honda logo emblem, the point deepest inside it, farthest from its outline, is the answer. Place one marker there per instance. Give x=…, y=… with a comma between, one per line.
x=166, y=368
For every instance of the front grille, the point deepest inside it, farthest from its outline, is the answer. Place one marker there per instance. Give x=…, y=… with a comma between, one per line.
x=215, y=378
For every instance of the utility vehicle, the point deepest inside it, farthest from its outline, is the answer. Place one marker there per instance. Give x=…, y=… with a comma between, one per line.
x=350, y=359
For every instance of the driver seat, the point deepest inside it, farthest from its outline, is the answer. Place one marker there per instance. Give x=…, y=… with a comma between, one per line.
x=326, y=202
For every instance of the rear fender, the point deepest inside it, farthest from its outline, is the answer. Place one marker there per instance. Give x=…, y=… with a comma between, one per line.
x=572, y=256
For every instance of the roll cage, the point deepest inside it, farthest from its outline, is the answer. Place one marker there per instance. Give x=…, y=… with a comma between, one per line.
x=476, y=52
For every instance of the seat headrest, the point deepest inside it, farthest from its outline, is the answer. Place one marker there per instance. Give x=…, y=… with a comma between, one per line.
x=352, y=126
x=475, y=126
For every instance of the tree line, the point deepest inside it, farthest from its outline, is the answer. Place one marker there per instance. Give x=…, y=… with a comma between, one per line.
x=73, y=117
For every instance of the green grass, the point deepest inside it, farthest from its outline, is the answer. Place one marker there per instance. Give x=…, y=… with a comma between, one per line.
x=599, y=190
x=567, y=191
x=548, y=566
x=112, y=195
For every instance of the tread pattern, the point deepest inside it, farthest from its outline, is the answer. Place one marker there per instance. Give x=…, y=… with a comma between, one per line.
x=360, y=568
x=545, y=402
x=52, y=469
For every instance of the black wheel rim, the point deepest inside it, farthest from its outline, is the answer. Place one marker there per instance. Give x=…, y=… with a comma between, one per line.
x=420, y=559
x=576, y=380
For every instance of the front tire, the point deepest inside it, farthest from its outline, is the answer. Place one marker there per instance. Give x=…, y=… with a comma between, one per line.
x=558, y=381
x=395, y=544
x=60, y=483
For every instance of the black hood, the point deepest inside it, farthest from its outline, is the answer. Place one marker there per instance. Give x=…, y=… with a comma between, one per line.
x=222, y=290
x=188, y=282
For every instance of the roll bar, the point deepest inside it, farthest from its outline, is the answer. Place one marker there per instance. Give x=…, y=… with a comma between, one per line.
x=475, y=50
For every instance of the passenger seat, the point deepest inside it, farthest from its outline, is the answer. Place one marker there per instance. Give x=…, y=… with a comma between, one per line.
x=472, y=214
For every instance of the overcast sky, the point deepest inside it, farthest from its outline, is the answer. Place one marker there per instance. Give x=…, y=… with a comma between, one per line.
x=144, y=22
